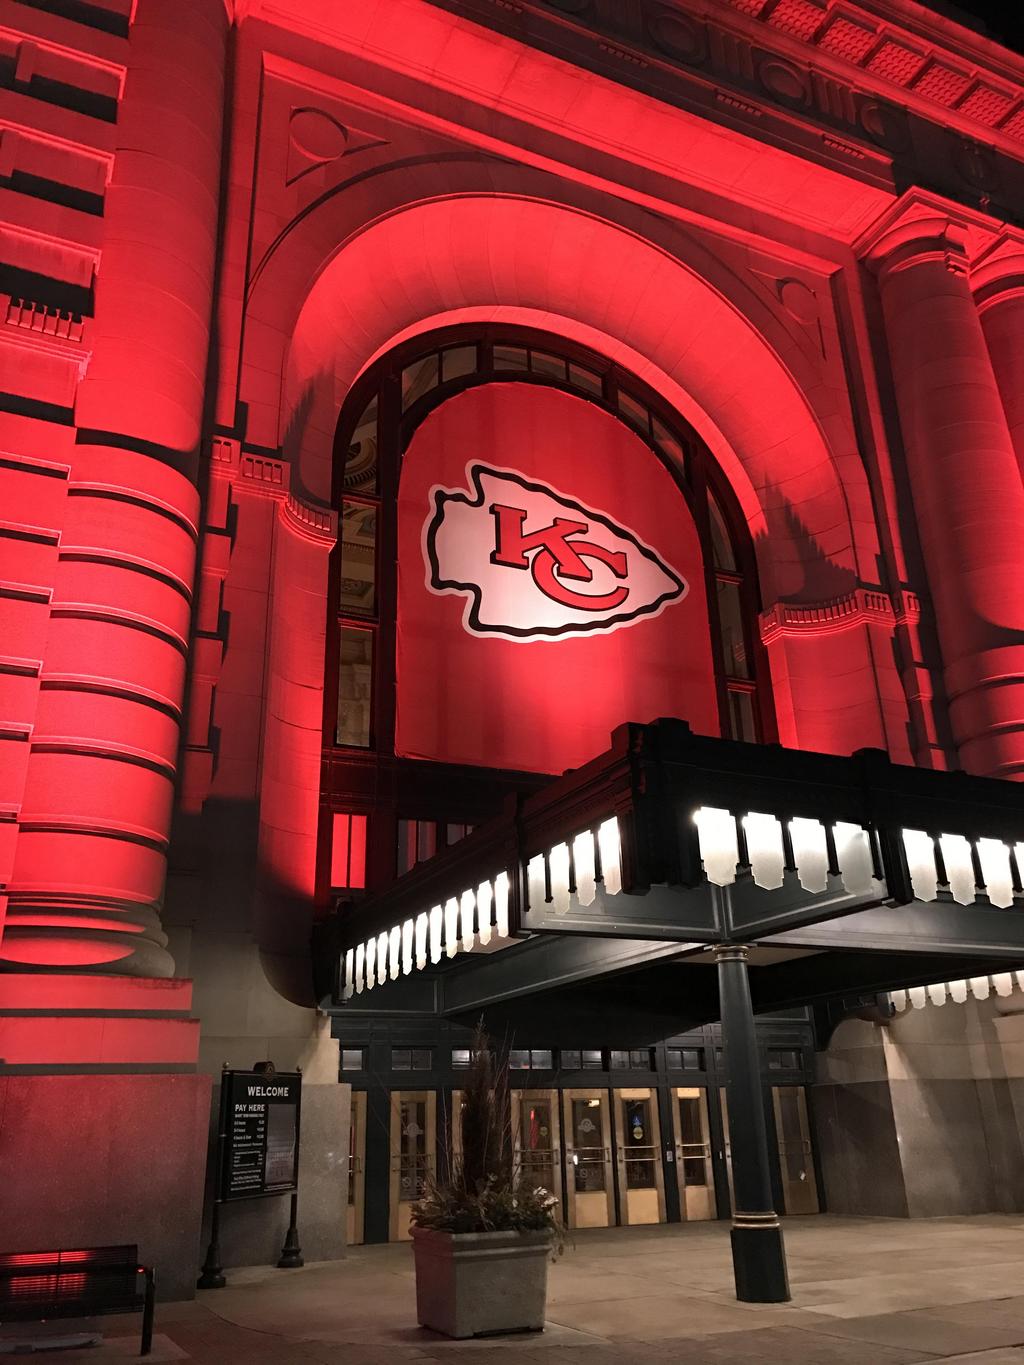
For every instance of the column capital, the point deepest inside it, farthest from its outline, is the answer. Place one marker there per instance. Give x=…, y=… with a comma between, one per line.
x=998, y=273
x=731, y=952
x=917, y=235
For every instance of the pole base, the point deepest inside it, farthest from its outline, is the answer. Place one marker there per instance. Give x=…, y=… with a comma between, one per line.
x=291, y=1252
x=211, y=1272
x=759, y=1261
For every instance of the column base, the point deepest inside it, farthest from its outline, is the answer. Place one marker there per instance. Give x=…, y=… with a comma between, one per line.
x=759, y=1259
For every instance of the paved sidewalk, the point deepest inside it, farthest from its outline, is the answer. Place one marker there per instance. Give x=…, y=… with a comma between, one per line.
x=866, y=1291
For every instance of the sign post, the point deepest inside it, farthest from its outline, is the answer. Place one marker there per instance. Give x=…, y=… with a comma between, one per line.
x=257, y=1154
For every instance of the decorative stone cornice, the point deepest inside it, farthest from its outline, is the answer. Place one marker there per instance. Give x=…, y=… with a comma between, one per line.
x=858, y=64
x=863, y=606
x=314, y=523
x=265, y=476
x=932, y=60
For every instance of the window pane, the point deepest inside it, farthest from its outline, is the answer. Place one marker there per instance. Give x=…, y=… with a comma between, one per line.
x=536, y=1137
x=692, y=1139
x=458, y=361
x=352, y=1059
x=690, y=1128
x=686, y=1059
x=783, y=1059
x=401, y=1059
x=419, y=378
x=406, y=858
x=453, y=833
x=361, y=461
x=618, y=1061
x=741, y=716
x=730, y=617
x=588, y=1140
x=641, y=1155
x=460, y=1057
x=426, y=840
x=348, y=850
x=721, y=541
x=551, y=366
x=541, y=1059
x=510, y=358
x=570, y=1059
x=355, y=685
x=667, y=443
x=585, y=379
x=414, y=1164
x=636, y=412
x=592, y=1059
x=422, y=1059
x=417, y=841
x=358, y=558
x=640, y=1059
x=519, y=1059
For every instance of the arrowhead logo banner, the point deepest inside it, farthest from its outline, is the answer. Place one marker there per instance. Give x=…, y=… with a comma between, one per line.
x=534, y=564
x=550, y=584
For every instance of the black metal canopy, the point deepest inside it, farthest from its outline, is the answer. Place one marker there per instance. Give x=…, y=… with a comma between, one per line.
x=601, y=893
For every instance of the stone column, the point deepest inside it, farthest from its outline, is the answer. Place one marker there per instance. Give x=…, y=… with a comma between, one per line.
x=89, y=864
x=965, y=482
x=758, y=1253
x=998, y=284
x=105, y=1119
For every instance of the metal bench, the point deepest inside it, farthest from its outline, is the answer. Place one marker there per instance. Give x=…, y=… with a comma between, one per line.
x=38, y=1285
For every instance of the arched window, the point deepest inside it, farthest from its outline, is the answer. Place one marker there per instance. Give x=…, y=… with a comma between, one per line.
x=415, y=806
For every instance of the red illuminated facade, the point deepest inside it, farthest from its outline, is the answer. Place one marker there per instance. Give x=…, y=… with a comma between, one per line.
x=736, y=286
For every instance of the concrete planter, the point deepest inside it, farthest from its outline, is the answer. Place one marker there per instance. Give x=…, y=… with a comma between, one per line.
x=471, y=1284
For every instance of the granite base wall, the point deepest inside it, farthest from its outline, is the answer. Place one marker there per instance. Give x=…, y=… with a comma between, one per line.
x=103, y=1160
x=858, y=1150
x=923, y=1119
x=252, y=1231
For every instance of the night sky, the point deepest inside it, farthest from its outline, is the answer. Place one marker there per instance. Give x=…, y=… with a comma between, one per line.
x=1000, y=19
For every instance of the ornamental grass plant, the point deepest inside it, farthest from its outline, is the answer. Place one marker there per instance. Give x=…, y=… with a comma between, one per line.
x=482, y=1190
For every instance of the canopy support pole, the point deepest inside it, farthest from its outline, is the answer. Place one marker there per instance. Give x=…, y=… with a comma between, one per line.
x=758, y=1253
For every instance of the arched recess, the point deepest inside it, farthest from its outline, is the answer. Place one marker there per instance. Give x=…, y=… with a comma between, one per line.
x=594, y=282
x=581, y=277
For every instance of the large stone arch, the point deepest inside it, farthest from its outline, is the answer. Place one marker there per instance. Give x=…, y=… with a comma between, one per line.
x=524, y=259
x=586, y=278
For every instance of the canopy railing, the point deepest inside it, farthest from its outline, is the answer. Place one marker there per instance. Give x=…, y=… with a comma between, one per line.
x=634, y=843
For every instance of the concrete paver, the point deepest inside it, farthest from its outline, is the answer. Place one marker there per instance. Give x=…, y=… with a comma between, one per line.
x=865, y=1292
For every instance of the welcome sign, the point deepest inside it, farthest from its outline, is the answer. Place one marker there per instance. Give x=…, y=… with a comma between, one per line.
x=550, y=584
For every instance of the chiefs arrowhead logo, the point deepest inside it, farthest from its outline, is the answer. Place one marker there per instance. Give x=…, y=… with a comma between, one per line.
x=536, y=565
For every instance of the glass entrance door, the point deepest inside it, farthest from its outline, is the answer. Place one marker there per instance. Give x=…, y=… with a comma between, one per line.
x=413, y=1154
x=638, y=1156
x=694, y=1170
x=726, y=1153
x=535, y=1133
x=588, y=1159
x=799, y=1187
x=795, y=1169
x=356, y=1168
x=452, y=1131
